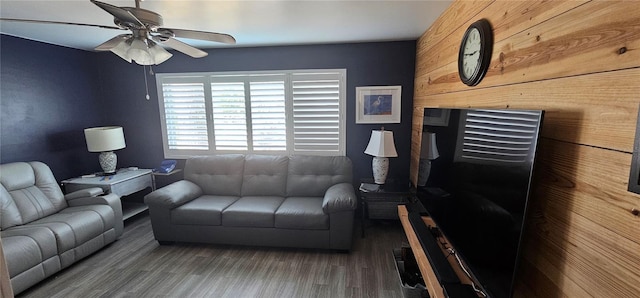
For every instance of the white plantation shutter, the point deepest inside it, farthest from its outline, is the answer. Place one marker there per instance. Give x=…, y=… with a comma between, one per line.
x=229, y=116
x=185, y=116
x=268, y=116
x=498, y=136
x=287, y=112
x=317, y=125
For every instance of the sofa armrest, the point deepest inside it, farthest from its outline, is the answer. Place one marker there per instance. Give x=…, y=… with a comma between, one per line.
x=112, y=200
x=174, y=194
x=339, y=197
x=83, y=193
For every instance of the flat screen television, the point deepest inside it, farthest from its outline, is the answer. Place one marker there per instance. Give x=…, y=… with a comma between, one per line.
x=474, y=180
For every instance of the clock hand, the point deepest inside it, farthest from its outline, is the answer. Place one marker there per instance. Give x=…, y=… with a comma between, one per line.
x=474, y=52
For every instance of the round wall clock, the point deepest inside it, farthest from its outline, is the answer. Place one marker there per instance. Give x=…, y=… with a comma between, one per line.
x=475, y=52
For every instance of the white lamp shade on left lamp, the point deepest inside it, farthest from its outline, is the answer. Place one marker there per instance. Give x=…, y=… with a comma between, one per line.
x=105, y=140
x=381, y=147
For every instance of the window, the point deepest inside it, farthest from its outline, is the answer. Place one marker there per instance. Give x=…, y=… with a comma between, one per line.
x=283, y=112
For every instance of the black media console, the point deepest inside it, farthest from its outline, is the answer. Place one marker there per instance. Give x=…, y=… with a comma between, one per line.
x=447, y=277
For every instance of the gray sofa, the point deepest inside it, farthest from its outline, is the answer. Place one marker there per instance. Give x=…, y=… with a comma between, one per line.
x=263, y=200
x=43, y=230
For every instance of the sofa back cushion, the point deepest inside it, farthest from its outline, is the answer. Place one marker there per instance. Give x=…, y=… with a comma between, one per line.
x=311, y=176
x=265, y=175
x=29, y=192
x=216, y=174
x=9, y=213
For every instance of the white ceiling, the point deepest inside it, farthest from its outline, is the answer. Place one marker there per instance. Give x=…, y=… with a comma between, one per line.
x=252, y=23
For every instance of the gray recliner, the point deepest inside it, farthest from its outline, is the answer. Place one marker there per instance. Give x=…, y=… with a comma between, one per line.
x=44, y=230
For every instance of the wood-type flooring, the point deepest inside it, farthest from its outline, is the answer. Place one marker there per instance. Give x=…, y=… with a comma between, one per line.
x=137, y=266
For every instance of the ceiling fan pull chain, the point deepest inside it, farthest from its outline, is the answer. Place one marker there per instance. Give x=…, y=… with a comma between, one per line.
x=146, y=84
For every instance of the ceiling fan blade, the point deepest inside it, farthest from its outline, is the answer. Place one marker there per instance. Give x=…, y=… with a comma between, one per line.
x=60, y=23
x=112, y=43
x=119, y=13
x=201, y=35
x=181, y=47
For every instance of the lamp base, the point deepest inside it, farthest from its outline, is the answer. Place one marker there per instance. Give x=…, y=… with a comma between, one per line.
x=424, y=169
x=108, y=161
x=380, y=167
x=105, y=174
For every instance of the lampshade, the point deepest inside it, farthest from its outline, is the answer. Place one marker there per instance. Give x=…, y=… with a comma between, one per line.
x=141, y=50
x=103, y=139
x=121, y=50
x=158, y=53
x=429, y=149
x=381, y=144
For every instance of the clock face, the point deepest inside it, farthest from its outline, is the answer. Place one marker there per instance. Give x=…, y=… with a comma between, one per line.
x=471, y=52
x=475, y=52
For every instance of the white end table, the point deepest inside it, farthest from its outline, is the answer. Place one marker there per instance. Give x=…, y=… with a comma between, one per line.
x=123, y=183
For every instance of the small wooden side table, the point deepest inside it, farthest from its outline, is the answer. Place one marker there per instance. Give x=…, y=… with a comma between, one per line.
x=163, y=179
x=125, y=182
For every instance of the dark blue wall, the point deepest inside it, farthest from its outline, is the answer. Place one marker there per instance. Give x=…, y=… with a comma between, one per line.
x=49, y=94
x=367, y=64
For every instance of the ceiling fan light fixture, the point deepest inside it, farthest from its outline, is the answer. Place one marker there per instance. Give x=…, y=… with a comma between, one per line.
x=158, y=53
x=121, y=50
x=144, y=25
x=139, y=52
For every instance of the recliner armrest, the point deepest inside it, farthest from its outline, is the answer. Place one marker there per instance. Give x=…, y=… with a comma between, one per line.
x=174, y=194
x=339, y=197
x=83, y=193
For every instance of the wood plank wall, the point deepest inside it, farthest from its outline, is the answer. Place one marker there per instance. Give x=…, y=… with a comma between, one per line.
x=580, y=62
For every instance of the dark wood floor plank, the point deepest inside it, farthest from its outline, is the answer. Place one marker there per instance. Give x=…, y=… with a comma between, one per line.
x=137, y=266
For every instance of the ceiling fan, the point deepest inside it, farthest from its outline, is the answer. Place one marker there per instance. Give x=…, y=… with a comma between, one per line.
x=142, y=45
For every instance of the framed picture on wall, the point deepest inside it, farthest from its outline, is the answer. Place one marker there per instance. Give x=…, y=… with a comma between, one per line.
x=378, y=104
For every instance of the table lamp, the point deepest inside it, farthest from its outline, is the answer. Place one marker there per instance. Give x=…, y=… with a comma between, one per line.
x=381, y=147
x=428, y=152
x=105, y=140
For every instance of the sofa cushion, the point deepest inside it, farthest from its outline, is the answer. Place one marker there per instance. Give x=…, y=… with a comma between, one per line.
x=9, y=214
x=32, y=204
x=205, y=210
x=33, y=188
x=265, y=175
x=311, y=176
x=74, y=226
x=252, y=212
x=302, y=213
x=31, y=255
x=28, y=247
x=217, y=174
